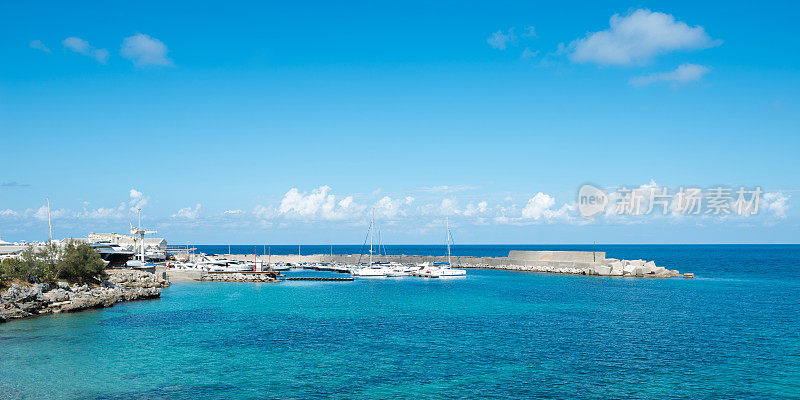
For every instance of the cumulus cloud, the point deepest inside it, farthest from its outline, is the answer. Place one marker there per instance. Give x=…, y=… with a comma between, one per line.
x=81, y=46
x=145, y=50
x=389, y=208
x=473, y=209
x=233, y=212
x=683, y=74
x=8, y=213
x=499, y=40
x=264, y=212
x=138, y=200
x=41, y=213
x=539, y=207
x=637, y=38
x=38, y=45
x=319, y=204
x=777, y=203
x=188, y=212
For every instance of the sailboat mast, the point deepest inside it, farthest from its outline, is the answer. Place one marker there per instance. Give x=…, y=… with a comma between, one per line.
x=447, y=232
x=371, y=225
x=49, y=224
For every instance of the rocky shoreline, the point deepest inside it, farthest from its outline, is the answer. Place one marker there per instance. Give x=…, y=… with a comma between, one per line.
x=28, y=300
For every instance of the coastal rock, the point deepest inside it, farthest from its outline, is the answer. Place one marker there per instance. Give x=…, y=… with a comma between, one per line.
x=55, y=296
x=21, y=301
x=616, y=268
x=602, y=270
x=629, y=269
x=643, y=270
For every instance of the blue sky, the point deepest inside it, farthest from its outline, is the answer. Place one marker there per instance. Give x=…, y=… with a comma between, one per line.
x=284, y=123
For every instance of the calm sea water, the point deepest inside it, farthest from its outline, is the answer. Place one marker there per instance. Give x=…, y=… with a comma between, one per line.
x=734, y=332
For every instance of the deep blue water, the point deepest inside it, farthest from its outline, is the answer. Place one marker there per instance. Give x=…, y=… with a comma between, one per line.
x=734, y=332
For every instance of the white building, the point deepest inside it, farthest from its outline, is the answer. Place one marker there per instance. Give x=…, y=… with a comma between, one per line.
x=129, y=242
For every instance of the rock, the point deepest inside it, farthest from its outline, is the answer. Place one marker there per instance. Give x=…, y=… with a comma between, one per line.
x=602, y=270
x=643, y=270
x=55, y=296
x=629, y=269
x=42, y=298
x=616, y=268
x=636, y=263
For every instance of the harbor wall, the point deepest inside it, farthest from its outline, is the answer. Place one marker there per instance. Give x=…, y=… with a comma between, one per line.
x=577, y=259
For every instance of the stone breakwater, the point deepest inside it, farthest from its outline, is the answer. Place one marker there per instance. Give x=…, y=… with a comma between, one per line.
x=22, y=301
x=556, y=262
x=630, y=268
x=238, y=277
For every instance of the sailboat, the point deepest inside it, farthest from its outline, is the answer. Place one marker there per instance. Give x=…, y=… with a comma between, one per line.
x=440, y=269
x=371, y=270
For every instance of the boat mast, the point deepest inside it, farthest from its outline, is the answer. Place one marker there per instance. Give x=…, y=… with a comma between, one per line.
x=49, y=224
x=447, y=232
x=371, y=223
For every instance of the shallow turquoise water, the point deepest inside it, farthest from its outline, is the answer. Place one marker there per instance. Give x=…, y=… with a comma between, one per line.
x=493, y=334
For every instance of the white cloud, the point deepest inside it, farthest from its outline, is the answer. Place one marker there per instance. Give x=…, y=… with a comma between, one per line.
x=41, y=213
x=530, y=31
x=104, y=213
x=683, y=74
x=145, y=50
x=500, y=40
x=387, y=207
x=263, y=212
x=319, y=204
x=233, y=212
x=81, y=46
x=188, y=212
x=8, y=213
x=138, y=200
x=637, y=38
x=777, y=203
x=475, y=209
x=539, y=207
x=448, y=188
x=528, y=53
x=38, y=45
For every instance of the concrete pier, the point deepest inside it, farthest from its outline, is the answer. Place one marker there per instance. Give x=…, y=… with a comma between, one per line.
x=559, y=262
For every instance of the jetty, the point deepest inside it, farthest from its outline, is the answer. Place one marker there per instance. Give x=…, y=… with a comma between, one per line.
x=319, y=278
x=546, y=261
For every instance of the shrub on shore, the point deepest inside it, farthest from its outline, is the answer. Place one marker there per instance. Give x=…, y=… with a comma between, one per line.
x=73, y=262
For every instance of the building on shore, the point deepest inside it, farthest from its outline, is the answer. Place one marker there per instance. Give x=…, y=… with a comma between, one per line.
x=155, y=248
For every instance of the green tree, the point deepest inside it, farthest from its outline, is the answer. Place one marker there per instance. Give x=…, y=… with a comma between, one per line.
x=79, y=261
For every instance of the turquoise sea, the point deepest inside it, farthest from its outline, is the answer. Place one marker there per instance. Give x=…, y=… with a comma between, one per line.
x=733, y=332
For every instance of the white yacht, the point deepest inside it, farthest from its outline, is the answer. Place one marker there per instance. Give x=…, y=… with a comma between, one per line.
x=371, y=270
x=442, y=270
